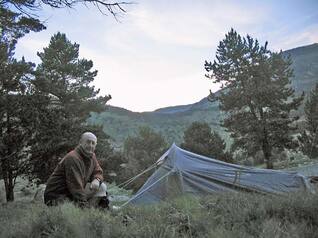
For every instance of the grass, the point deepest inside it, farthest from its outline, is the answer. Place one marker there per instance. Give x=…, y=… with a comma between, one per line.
x=221, y=215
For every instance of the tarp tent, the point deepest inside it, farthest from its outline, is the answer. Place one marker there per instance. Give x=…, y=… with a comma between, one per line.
x=182, y=172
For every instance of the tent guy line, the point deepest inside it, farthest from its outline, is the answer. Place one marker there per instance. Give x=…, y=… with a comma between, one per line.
x=183, y=172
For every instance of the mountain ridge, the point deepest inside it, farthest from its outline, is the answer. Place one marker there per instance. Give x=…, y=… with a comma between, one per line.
x=173, y=120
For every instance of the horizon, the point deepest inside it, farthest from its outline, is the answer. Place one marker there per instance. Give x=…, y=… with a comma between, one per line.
x=154, y=57
x=315, y=43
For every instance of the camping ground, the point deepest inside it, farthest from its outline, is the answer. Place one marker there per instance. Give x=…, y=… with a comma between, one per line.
x=220, y=215
x=234, y=84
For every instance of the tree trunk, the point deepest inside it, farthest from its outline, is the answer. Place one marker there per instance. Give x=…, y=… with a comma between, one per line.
x=9, y=191
x=9, y=185
x=313, y=150
x=268, y=155
x=267, y=150
x=268, y=159
x=6, y=166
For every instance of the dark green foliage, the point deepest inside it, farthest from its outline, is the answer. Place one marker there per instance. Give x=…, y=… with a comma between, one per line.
x=113, y=167
x=15, y=97
x=62, y=85
x=30, y=115
x=15, y=25
x=170, y=125
x=15, y=106
x=142, y=151
x=103, y=148
x=309, y=137
x=200, y=139
x=258, y=98
x=62, y=74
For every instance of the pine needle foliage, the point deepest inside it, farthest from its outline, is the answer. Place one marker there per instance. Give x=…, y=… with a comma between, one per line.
x=258, y=98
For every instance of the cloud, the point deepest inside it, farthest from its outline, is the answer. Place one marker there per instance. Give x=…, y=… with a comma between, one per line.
x=155, y=57
x=193, y=25
x=29, y=46
x=308, y=35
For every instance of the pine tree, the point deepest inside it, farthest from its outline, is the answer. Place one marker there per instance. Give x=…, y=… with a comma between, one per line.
x=15, y=130
x=63, y=86
x=257, y=98
x=14, y=25
x=309, y=137
x=142, y=151
x=15, y=97
x=24, y=109
x=200, y=139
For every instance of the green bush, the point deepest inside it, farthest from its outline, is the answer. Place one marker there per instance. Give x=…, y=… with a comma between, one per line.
x=220, y=215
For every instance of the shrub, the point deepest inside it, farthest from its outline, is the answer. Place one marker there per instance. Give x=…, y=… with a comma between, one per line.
x=219, y=215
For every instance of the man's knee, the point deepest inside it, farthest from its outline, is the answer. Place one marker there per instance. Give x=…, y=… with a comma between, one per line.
x=102, y=191
x=98, y=198
x=102, y=194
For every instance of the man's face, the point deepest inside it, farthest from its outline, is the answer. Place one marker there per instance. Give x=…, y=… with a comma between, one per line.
x=88, y=144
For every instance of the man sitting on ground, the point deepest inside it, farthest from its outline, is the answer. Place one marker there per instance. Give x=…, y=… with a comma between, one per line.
x=78, y=177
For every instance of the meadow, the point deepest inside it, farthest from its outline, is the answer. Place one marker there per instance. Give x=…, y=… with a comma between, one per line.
x=219, y=215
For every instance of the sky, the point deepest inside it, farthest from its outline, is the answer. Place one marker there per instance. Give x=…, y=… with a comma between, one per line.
x=153, y=55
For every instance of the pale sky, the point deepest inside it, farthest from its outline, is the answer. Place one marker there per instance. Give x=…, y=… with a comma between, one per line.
x=154, y=57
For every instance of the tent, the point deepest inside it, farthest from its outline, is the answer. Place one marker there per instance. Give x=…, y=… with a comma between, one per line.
x=183, y=172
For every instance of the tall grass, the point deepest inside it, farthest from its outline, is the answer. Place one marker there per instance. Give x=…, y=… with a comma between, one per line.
x=221, y=215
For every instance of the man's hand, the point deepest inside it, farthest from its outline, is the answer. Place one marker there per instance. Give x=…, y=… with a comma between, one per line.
x=95, y=185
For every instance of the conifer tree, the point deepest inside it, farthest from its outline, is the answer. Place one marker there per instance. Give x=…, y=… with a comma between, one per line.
x=309, y=137
x=15, y=98
x=23, y=110
x=14, y=25
x=142, y=151
x=63, y=82
x=258, y=98
x=15, y=129
x=200, y=139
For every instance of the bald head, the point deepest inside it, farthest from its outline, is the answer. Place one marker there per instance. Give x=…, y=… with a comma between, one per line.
x=88, y=135
x=88, y=142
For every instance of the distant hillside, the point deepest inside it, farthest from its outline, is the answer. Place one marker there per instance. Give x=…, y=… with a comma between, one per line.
x=305, y=65
x=172, y=121
x=119, y=123
x=202, y=104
